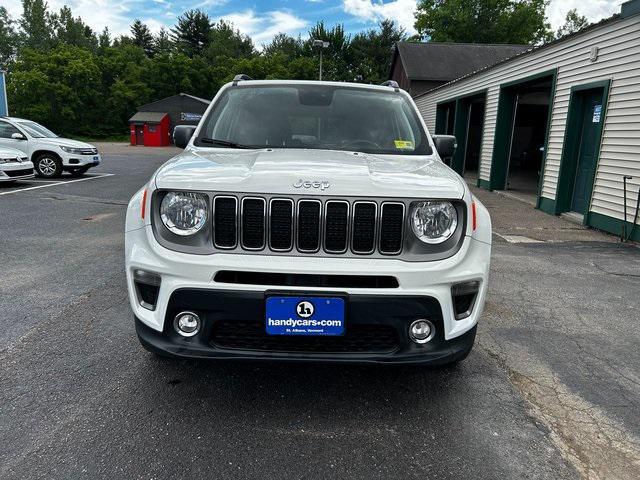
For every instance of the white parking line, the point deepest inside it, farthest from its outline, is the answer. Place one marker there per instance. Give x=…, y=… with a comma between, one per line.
x=102, y=175
x=517, y=238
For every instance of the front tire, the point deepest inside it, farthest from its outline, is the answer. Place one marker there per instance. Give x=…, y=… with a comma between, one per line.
x=78, y=172
x=48, y=165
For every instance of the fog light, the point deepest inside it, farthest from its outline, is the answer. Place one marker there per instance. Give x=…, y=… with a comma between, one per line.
x=187, y=324
x=421, y=331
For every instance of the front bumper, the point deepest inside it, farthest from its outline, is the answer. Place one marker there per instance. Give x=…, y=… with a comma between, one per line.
x=376, y=331
x=74, y=160
x=417, y=282
x=10, y=172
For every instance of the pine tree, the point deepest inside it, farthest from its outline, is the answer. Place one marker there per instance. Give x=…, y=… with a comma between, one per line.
x=8, y=38
x=36, y=25
x=192, y=32
x=104, y=40
x=162, y=42
x=142, y=37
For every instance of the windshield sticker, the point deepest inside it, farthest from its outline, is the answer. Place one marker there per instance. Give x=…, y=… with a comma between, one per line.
x=404, y=144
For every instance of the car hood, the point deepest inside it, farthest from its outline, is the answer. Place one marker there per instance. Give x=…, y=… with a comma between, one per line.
x=66, y=142
x=312, y=172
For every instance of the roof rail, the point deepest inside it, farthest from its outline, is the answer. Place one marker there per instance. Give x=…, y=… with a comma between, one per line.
x=390, y=83
x=240, y=77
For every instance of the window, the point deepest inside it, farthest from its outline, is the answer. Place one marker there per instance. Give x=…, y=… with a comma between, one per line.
x=36, y=130
x=316, y=117
x=6, y=130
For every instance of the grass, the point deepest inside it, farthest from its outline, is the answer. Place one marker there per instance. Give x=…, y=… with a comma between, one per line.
x=106, y=138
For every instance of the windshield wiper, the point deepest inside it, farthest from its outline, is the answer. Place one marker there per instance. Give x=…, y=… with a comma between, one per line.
x=223, y=143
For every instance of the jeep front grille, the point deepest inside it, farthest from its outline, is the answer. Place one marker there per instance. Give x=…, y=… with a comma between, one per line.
x=308, y=226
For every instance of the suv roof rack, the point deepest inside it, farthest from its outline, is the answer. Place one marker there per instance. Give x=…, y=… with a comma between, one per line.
x=390, y=83
x=240, y=77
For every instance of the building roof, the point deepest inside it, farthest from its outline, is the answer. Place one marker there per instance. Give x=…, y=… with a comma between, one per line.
x=147, y=117
x=186, y=95
x=446, y=61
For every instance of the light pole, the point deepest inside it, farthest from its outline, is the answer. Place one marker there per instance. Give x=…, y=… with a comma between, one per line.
x=321, y=44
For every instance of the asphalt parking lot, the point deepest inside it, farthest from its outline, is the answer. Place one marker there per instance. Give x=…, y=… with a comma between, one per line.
x=551, y=390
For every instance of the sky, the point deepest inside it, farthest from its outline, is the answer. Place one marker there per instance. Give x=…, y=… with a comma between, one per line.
x=263, y=19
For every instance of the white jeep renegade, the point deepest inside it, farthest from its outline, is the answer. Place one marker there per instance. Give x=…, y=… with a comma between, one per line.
x=308, y=221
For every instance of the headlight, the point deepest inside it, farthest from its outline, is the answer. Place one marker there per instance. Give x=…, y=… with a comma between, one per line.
x=434, y=221
x=77, y=151
x=184, y=213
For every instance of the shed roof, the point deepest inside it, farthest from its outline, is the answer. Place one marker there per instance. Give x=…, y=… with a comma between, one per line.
x=147, y=117
x=446, y=61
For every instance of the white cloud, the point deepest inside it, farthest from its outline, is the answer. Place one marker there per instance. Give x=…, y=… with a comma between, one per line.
x=401, y=11
x=594, y=10
x=264, y=26
x=154, y=25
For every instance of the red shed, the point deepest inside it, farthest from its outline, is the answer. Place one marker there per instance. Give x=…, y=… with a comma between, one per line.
x=150, y=129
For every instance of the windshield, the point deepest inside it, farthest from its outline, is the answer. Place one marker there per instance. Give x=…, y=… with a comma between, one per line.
x=316, y=117
x=36, y=130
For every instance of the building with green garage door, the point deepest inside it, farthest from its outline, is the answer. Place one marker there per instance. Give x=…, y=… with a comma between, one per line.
x=558, y=124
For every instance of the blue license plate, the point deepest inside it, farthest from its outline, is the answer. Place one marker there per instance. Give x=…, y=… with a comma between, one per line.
x=305, y=316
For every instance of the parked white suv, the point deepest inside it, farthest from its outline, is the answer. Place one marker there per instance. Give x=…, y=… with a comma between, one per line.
x=308, y=221
x=14, y=165
x=50, y=154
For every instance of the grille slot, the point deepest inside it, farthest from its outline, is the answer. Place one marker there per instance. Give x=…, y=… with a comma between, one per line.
x=253, y=213
x=364, y=227
x=309, y=212
x=305, y=280
x=307, y=226
x=251, y=335
x=336, y=226
x=19, y=173
x=391, y=228
x=225, y=213
x=281, y=225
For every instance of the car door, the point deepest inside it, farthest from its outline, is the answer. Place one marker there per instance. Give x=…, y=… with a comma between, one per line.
x=6, y=131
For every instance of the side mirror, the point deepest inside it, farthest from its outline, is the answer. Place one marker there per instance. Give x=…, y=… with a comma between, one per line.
x=445, y=145
x=182, y=134
x=18, y=136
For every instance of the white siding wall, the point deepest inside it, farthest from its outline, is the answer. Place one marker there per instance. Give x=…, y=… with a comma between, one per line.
x=618, y=60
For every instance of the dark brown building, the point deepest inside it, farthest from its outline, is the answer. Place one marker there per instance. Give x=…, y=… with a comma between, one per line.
x=420, y=67
x=182, y=109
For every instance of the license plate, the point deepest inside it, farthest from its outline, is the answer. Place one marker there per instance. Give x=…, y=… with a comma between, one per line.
x=96, y=159
x=322, y=316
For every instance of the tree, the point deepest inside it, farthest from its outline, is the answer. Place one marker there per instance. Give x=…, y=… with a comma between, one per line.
x=483, y=21
x=572, y=23
x=192, y=32
x=72, y=31
x=36, y=25
x=336, y=57
x=142, y=37
x=162, y=42
x=225, y=41
x=8, y=38
x=285, y=45
x=104, y=40
x=371, y=52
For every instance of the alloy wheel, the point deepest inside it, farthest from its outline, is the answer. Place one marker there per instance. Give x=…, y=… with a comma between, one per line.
x=47, y=166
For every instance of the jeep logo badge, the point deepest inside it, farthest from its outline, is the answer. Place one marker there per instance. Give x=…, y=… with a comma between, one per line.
x=321, y=184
